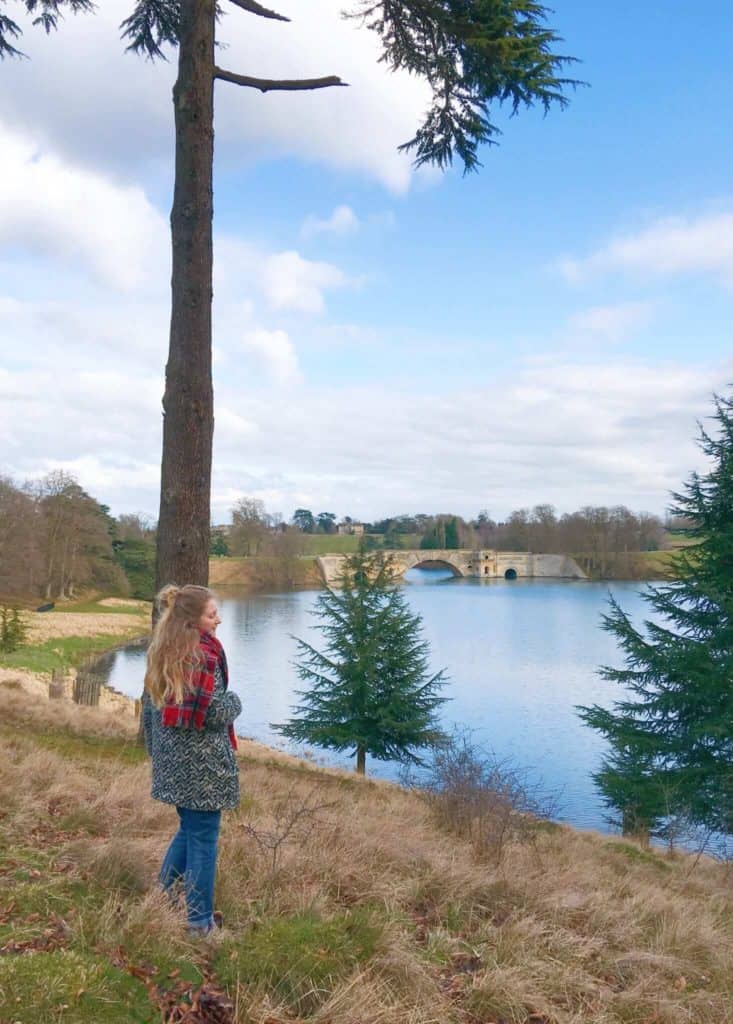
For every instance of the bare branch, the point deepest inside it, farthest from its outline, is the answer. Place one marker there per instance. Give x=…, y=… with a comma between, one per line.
x=276, y=85
x=254, y=8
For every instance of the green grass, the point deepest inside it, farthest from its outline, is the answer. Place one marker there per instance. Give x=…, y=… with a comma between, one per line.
x=337, y=544
x=410, y=541
x=679, y=540
x=637, y=855
x=299, y=959
x=656, y=563
x=40, y=896
x=62, y=652
x=78, y=746
x=47, y=972
x=70, y=954
x=87, y=747
x=67, y=986
x=330, y=544
x=96, y=608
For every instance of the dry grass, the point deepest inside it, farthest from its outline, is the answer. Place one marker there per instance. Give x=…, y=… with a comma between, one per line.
x=372, y=915
x=43, y=626
x=126, y=602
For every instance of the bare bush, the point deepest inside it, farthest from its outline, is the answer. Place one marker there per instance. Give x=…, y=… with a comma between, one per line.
x=293, y=819
x=483, y=798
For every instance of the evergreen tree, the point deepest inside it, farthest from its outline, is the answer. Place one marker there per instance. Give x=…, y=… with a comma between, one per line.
x=370, y=689
x=451, y=534
x=13, y=632
x=672, y=735
x=136, y=558
x=218, y=546
x=434, y=538
x=304, y=519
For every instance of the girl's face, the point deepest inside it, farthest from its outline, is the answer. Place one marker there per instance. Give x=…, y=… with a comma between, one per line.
x=210, y=617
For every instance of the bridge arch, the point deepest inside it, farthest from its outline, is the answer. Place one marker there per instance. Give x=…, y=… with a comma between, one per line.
x=414, y=559
x=476, y=563
x=435, y=563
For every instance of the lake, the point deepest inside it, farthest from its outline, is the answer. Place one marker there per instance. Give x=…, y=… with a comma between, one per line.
x=519, y=656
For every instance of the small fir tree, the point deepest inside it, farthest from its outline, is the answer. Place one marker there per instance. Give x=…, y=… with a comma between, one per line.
x=13, y=631
x=218, y=545
x=370, y=689
x=451, y=534
x=672, y=735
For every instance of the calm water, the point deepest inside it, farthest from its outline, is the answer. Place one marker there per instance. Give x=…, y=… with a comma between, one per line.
x=519, y=655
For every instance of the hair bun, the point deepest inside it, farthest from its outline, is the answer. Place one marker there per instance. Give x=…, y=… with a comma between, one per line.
x=167, y=596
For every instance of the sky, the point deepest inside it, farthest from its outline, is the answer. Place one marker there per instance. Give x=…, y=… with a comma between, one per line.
x=386, y=340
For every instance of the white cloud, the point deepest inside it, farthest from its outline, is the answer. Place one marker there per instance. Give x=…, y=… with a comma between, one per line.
x=611, y=323
x=234, y=425
x=53, y=209
x=83, y=95
x=285, y=280
x=275, y=350
x=343, y=221
x=571, y=434
x=291, y=282
x=670, y=246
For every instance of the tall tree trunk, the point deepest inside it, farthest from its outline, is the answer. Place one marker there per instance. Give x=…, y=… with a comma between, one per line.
x=182, y=554
x=361, y=760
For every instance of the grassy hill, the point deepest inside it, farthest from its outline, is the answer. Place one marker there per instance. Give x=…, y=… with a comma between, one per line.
x=338, y=544
x=366, y=912
x=316, y=544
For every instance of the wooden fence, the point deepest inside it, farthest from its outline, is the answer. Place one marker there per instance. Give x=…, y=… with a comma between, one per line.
x=87, y=687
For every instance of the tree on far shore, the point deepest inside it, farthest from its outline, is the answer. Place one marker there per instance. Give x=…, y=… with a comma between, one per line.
x=471, y=53
x=671, y=734
x=370, y=689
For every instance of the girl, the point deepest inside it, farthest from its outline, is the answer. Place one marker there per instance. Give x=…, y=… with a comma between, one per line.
x=188, y=716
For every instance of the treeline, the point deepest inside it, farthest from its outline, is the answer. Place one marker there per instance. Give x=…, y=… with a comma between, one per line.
x=264, y=536
x=57, y=541
x=600, y=532
x=257, y=532
x=597, y=534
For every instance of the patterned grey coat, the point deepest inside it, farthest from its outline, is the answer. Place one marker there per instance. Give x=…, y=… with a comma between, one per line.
x=195, y=768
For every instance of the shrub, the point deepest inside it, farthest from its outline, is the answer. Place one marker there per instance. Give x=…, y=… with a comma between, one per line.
x=482, y=798
x=13, y=631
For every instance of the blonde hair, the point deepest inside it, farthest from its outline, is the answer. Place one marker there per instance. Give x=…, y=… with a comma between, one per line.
x=174, y=653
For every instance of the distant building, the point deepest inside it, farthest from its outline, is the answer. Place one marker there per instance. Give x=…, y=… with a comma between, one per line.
x=353, y=529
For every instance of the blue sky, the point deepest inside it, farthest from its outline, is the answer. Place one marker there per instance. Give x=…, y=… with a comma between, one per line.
x=549, y=329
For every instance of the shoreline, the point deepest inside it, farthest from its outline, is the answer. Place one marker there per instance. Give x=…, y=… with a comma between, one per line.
x=57, y=685
x=62, y=644
x=43, y=688
x=37, y=687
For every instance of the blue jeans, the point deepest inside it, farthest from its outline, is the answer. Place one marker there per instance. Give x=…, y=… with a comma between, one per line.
x=191, y=857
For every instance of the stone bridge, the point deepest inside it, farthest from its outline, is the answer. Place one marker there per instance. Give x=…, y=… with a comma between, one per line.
x=483, y=564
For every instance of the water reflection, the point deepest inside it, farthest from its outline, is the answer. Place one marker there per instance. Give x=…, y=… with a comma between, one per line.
x=519, y=655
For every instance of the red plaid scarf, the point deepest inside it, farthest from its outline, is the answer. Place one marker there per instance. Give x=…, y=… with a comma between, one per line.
x=196, y=701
